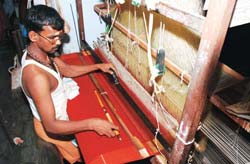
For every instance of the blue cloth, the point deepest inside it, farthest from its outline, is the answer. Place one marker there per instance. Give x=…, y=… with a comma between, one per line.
x=8, y=7
x=23, y=30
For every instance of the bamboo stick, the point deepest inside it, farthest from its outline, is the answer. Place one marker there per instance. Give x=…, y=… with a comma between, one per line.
x=117, y=133
x=80, y=19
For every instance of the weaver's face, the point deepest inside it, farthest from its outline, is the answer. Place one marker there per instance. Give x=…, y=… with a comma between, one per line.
x=49, y=39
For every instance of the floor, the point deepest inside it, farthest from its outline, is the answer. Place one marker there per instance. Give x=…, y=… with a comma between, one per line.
x=16, y=120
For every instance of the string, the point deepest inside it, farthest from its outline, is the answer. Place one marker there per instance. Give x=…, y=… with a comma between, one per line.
x=156, y=88
x=230, y=143
x=128, y=38
x=182, y=76
x=157, y=129
x=114, y=19
x=145, y=24
x=149, y=34
x=160, y=36
x=77, y=36
x=183, y=141
x=136, y=45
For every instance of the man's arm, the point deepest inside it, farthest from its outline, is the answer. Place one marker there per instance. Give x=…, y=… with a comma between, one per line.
x=77, y=70
x=38, y=85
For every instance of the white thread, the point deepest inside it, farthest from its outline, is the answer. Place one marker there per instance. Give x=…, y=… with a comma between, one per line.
x=128, y=39
x=157, y=130
x=103, y=159
x=104, y=93
x=151, y=5
x=120, y=1
x=199, y=126
x=182, y=140
x=113, y=22
x=182, y=76
x=100, y=16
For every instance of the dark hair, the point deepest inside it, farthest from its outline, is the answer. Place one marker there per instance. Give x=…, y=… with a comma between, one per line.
x=41, y=15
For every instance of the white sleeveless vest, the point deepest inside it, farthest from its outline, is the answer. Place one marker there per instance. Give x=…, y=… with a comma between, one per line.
x=59, y=96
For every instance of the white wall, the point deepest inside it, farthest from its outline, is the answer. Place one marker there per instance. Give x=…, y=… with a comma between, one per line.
x=69, y=12
x=92, y=24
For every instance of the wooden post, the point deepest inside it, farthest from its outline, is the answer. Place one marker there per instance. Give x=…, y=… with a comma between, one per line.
x=80, y=19
x=212, y=38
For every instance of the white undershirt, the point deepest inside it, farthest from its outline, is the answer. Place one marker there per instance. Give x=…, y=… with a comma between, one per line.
x=59, y=96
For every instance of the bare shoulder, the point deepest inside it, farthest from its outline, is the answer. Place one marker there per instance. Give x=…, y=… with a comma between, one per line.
x=32, y=72
x=34, y=79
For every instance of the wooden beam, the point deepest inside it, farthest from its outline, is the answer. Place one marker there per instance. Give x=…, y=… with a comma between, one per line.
x=80, y=19
x=190, y=20
x=213, y=35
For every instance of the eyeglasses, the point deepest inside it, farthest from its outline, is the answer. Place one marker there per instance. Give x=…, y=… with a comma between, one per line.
x=53, y=39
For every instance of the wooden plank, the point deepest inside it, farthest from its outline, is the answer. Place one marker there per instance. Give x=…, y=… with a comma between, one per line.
x=230, y=71
x=220, y=104
x=193, y=21
x=80, y=19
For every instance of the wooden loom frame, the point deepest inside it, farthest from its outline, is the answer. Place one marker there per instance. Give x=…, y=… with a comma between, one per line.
x=212, y=39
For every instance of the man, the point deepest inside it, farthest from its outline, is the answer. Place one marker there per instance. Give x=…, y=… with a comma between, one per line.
x=42, y=84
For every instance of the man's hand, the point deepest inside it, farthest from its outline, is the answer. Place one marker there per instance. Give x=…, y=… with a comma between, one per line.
x=103, y=127
x=107, y=67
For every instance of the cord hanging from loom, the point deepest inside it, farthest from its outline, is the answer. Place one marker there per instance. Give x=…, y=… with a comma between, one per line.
x=182, y=76
x=183, y=141
x=114, y=19
x=154, y=72
x=160, y=54
x=135, y=44
x=151, y=4
x=109, y=26
x=157, y=130
x=108, y=17
x=157, y=88
x=128, y=39
x=120, y=1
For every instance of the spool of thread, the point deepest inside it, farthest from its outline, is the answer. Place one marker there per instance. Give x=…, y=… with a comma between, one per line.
x=108, y=20
x=160, y=58
x=114, y=77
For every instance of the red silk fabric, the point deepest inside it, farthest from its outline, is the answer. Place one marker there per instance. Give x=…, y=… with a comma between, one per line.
x=98, y=149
